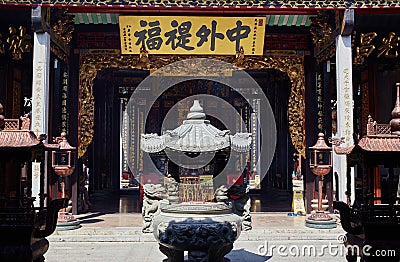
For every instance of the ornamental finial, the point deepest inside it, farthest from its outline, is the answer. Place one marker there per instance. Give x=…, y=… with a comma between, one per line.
x=196, y=111
x=395, y=122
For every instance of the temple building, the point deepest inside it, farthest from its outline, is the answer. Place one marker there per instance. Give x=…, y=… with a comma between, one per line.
x=323, y=66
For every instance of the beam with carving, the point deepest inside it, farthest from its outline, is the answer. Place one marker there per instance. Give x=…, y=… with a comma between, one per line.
x=92, y=64
x=299, y=5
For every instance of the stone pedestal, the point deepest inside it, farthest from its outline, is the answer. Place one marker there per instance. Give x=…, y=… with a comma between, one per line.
x=66, y=221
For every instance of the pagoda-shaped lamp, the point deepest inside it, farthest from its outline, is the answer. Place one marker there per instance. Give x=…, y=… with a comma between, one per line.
x=320, y=165
x=63, y=163
x=63, y=158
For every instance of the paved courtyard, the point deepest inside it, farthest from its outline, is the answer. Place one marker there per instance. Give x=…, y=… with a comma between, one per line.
x=118, y=237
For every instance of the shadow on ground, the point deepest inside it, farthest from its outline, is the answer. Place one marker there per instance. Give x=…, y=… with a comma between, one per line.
x=245, y=256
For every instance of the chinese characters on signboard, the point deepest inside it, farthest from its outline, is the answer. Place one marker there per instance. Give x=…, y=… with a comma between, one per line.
x=192, y=35
x=320, y=103
x=348, y=106
x=125, y=124
x=64, y=99
x=370, y=44
x=37, y=99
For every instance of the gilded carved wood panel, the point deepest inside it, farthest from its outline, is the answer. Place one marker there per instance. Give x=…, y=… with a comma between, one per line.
x=92, y=64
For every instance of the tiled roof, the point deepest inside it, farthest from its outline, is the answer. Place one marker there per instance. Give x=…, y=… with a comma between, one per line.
x=380, y=144
x=18, y=138
x=96, y=18
x=196, y=134
x=373, y=144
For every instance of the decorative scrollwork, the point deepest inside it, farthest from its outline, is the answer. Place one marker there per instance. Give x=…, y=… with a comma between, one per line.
x=320, y=29
x=199, y=234
x=92, y=64
x=59, y=53
x=321, y=33
x=336, y=141
x=64, y=26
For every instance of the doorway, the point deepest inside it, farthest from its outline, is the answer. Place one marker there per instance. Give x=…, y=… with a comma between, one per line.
x=112, y=90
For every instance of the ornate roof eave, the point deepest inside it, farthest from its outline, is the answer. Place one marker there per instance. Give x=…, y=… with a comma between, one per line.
x=152, y=143
x=173, y=5
x=196, y=135
x=241, y=142
x=18, y=139
x=376, y=144
x=343, y=150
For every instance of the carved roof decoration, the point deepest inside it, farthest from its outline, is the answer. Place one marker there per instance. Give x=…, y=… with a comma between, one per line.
x=18, y=138
x=226, y=4
x=196, y=134
x=343, y=150
x=378, y=139
x=14, y=136
x=380, y=144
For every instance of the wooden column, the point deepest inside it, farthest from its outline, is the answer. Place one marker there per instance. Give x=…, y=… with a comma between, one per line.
x=328, y=179
x=72, y=107
x=310, y=97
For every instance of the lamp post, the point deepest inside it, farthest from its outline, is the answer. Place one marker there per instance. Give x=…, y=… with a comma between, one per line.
x=63, y=158
x=63, y=163
x=321, y=165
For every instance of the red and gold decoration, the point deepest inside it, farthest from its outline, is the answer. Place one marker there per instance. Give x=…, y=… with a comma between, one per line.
x=375, y=45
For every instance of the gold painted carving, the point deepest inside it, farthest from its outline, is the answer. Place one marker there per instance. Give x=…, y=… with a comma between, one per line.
x=64, y=26
x=320, y=30
x=19, y=42
x=2, y=47
x=91, y=64
x=58, y=52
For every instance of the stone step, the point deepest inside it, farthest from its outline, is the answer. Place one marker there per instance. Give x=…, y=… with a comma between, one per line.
x=134, y=234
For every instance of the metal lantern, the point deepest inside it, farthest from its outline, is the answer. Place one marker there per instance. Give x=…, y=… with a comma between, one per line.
x=63, y=163
x=63, y=158
x=320, y=157
x=321, y=165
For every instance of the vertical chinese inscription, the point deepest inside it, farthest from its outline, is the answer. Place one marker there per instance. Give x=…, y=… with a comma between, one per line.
x=133, y=136
x=348, y=106
x=64, y=102
x=126, y=40
x=37, y=99
x=320, y=103
x=125, y=123
x=364, y=106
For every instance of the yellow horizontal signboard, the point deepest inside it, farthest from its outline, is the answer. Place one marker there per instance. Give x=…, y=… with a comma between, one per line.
x=193, y=35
